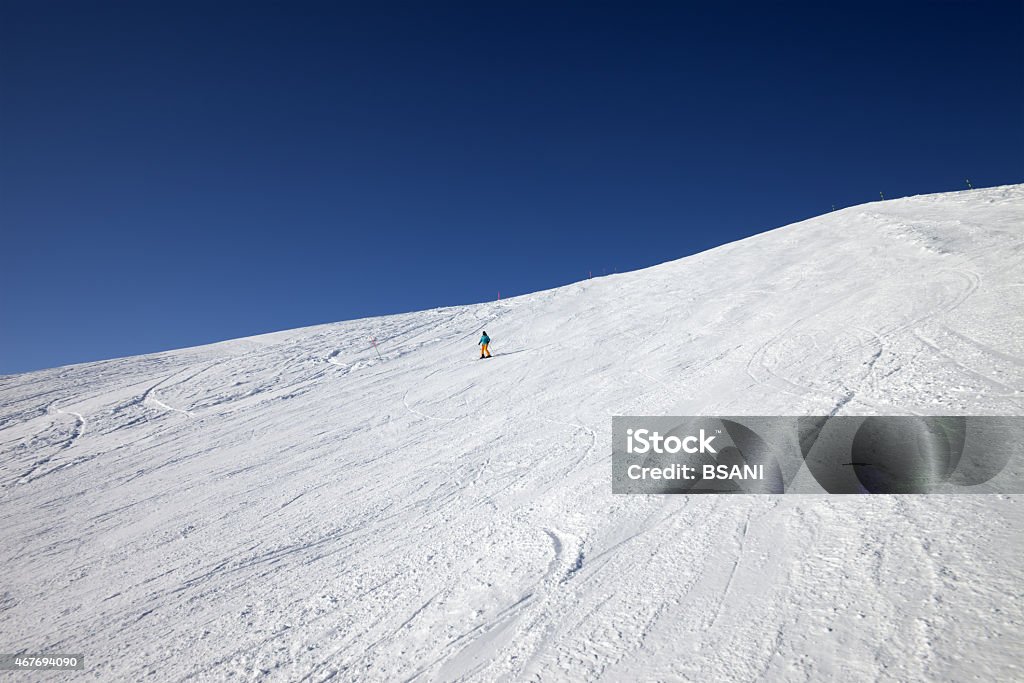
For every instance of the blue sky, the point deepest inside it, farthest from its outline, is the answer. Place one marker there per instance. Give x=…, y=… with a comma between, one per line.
x=176, y=173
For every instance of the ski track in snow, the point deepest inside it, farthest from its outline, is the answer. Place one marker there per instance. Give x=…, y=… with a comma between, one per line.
x=79, y=429
x=150, y=397
x=328, y=513
x=47, y=455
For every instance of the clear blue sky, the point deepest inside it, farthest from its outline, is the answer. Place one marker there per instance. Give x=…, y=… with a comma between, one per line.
x=175, y=173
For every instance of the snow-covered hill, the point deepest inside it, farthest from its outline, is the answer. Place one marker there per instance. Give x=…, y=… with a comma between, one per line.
x=292, y=507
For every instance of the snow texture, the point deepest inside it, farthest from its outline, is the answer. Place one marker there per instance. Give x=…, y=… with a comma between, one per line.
x=292, y=507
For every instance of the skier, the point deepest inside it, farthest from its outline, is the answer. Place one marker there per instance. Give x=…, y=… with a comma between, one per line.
x=484, y=341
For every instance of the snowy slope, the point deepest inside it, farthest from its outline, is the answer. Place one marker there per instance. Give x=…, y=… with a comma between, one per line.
x=290, y=507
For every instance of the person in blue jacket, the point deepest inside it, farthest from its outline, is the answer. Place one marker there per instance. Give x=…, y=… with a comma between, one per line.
x=484, y=341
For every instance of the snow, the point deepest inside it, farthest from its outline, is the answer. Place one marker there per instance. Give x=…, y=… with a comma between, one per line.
x=292, y=507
